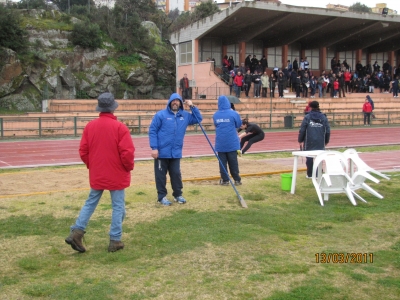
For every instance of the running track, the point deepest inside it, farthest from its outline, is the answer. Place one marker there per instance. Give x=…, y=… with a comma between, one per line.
x=33, y=153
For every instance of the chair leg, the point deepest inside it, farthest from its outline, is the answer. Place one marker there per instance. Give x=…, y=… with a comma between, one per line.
x=358, y=196
x=371, y=190
x=350, y=195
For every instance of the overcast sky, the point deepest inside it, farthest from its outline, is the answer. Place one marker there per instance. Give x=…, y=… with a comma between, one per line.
x=392, y=4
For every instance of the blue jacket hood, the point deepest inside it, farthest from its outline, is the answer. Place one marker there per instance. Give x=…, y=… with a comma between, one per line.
x=174, y=96
x=223, y=103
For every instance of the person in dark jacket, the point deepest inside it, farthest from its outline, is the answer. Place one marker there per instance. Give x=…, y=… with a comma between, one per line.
x=166, y=134
x=253, y=134
x=247, y=80
x=281, y=84
x=272, y=82
x=226, y=122
x=314, y=133
x=107, y=150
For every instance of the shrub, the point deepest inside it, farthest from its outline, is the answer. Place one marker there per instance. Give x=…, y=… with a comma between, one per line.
x=12, y=36
x=86, y=35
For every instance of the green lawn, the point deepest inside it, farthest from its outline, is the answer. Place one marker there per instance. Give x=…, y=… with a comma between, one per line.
x=209, y=248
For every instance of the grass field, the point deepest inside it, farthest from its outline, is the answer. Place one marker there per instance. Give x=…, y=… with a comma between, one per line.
x=209, y=248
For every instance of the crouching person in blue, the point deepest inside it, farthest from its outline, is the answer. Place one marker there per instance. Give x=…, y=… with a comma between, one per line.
x=166, y=133
x=314, y=133
x=227, y=143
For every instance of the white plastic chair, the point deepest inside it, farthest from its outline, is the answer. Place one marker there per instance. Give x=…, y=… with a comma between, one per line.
x=361, y=174
x=334, y=179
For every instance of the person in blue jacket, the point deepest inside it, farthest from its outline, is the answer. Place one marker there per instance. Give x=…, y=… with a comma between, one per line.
x=227, y=121
x=166, y=133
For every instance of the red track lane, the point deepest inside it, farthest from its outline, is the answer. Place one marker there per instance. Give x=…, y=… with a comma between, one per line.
x=15, y=154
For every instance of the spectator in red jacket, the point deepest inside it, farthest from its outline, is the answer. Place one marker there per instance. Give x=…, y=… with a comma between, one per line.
x=238, y=83
x=107, y=150
x=367, y=110
x=347, y=79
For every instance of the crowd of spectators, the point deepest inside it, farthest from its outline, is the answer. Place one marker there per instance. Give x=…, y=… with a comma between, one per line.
x=298, y=76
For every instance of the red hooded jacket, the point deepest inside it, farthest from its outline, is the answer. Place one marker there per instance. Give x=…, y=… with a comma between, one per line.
x=107, y=150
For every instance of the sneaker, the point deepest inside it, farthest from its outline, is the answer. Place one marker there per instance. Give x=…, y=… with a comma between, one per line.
x=308, y=177
x=180, y=200
x=164, y=201
x=221, y=182
x=238, y=183
x=239, y=153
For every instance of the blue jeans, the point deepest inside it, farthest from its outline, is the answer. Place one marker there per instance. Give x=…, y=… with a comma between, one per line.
x=231, y=159
x=118, y=212
x=320, y=90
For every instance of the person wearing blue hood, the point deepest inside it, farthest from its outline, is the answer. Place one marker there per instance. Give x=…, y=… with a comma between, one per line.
x=227, y=121
x=166, y=133
x=314, y=132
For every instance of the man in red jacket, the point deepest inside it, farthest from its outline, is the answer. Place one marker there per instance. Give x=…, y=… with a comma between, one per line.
x=107, y=150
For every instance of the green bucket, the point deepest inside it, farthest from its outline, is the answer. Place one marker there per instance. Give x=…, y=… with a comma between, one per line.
x=286, y=180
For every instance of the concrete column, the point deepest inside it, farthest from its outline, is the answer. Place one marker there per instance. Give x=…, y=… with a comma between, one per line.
x=369, y=57
x=195, y=56
x=322, y=58
x=285, y=51
x=265, y=52
x=242, y=52
x=302, y=55
x=358, y=55
x=224, y=50
x=391, y=58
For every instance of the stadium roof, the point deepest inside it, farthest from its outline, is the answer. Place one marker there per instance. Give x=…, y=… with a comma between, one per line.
x=280, y=24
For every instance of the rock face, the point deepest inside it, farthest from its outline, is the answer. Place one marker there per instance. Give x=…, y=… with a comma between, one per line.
x=57, y=72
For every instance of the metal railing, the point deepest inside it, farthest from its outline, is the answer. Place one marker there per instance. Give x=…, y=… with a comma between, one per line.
x=33, y=127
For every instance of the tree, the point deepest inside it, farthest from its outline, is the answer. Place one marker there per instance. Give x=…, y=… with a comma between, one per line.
x=12, y=35
x=361, y=8
x=204, y=10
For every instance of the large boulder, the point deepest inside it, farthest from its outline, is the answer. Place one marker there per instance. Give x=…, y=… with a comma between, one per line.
x=11, y=72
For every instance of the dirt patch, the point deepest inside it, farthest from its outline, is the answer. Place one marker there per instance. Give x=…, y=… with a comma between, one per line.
x=75, y=178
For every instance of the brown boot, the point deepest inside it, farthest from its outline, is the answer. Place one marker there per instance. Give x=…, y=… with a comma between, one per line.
x=75, y=240
x=115, y=246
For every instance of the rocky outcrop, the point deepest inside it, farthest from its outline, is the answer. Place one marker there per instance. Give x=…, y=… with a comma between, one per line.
x=57, y=72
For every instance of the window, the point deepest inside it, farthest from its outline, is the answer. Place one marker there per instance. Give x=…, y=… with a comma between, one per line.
x=210, y=48
x=294, y=52
x=350, y=58
x=275, y=57
x=330, y=53
x=185, y=51
x=381, y=57
x=313, y=58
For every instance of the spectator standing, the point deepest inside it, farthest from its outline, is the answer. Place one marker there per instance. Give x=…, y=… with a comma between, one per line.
x=295, y=65
x=230, y=83
x=107, y=150
x=184, y=86
x=347, y=79
x=242, y=69
x=226, y=122
x=341, y=85
x=367, y=110
x=254, y=63
x=253, y=134
x=335, y=88
x=306, y=64
x=281, y=84
x=264, y=84
x=238, y=83
x=313, y=86
x=395, y=87
x=272, y=82
x=166, y=133
x=264, y=64
x=257, y=84
x=248, y=78
x=314, y=133
x=231, y=62
x=247, y=62
x=305, y=81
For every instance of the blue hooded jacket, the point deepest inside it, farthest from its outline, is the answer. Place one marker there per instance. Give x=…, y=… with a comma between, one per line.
x=168, y=129
x=226, y=122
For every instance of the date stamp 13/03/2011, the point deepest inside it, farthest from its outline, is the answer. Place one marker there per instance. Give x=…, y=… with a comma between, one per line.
x=344, y=258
